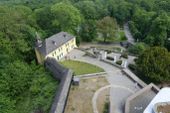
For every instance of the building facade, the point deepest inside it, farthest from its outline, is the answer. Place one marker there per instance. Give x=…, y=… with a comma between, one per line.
x=56, y=46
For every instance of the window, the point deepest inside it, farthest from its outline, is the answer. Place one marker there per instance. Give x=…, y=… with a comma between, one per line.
x=58, y=58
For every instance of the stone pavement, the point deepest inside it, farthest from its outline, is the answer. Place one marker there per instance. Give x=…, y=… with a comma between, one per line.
x=115, y=77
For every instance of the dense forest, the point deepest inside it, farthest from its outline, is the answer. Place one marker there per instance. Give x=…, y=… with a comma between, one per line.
x=26, y=87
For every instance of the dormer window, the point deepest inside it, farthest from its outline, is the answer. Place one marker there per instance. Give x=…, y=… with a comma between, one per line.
x=54, y=43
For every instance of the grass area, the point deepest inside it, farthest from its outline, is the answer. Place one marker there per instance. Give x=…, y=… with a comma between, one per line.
x=40, y=95
x=80, y=97
x=81, y=68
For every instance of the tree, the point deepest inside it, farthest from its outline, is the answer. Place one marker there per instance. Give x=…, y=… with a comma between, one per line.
x=7, y=105
x=142, y=20
x=88, y=31
x=44, y=18
x=162, y=5
x=88, y=9
x=66, y=17
x=107, y=27
x=15, y=79
x=159, y=31
x=135, y=32
x=120, y=9
x=138, y=48
x=154, y=63
x=16, y=31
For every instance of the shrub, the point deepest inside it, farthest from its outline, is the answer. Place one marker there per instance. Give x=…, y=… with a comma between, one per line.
x=137, y=49
x=106, y=107
x=89, y=54
x=119, y=62
x=132, y=67
x=110, y=58
x=108, y=51
x=124, y=55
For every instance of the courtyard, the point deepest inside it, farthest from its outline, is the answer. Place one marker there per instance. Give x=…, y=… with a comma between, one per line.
x=117, y=84
x=80, y=97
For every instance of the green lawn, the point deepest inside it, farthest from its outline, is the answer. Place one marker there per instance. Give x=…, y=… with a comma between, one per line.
x=81, y=68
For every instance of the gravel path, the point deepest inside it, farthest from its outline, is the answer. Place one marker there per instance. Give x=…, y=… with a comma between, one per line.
x=128, y=34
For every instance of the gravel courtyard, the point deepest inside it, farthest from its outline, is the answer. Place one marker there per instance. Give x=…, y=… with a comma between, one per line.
x=79, y=99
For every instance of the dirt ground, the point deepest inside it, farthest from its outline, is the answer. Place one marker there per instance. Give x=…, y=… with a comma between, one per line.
x=80, y=97
x=103, y=97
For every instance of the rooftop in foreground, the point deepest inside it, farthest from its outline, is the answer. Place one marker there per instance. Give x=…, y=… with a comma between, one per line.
x=140, y=100
x=162, y=96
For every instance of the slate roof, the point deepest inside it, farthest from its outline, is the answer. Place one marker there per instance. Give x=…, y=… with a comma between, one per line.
x=53, y=42
x=141, y=99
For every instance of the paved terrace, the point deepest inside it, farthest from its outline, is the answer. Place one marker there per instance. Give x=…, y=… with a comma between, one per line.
x=115, y=77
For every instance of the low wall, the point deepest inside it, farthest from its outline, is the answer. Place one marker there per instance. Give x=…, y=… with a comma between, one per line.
x=91, y=75
x=65, y=76
x=112, y=63
x=134, y=78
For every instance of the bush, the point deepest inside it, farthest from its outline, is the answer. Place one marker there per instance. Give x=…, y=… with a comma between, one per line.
x=89, y=54
x=110, y=58
x=132, y=67
x=106, y=107
x=137, y=49
x=108, y=51
x=124, y=55
x=119, y=62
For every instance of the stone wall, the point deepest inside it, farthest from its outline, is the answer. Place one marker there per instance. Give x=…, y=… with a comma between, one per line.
x=65, y=76
x=134, y=78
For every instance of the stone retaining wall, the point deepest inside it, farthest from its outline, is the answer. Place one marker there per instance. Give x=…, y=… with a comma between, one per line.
x=65, y=76
x=134, y=78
